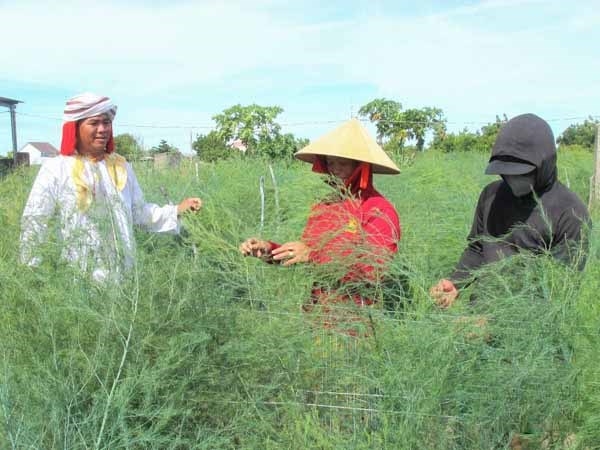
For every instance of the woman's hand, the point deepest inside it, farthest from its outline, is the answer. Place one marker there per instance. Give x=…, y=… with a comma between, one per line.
x=256, y=247
x=189, y=204
x=291, y=253
x=444, y=293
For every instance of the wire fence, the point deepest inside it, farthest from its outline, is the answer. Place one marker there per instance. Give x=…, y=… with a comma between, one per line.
x=299, y=123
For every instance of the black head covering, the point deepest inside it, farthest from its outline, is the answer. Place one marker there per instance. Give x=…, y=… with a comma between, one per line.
x=525, y=143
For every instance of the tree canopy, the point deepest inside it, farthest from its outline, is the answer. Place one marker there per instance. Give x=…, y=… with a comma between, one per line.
x=465, y=141
x=255, y=128
x=251, y=124
x=211, y=147
x=580, y=134
x=128, y=146
x=395, y=127
x=163, y=147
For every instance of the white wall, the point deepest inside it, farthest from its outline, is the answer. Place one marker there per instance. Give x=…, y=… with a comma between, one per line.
x=35, y=156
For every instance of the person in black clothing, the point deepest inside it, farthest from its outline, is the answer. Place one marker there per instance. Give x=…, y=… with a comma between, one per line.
x=529, y=209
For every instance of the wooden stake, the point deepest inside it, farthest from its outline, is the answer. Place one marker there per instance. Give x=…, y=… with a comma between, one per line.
x=595, y=180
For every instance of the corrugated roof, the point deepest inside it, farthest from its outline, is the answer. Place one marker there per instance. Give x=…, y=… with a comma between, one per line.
x=5, y=101
x=44, y=147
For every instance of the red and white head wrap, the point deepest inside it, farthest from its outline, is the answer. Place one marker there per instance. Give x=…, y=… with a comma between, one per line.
x=81, y=107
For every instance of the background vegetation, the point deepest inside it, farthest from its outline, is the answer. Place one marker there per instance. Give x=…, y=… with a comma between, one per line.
x=202, y=348
x=253, y=131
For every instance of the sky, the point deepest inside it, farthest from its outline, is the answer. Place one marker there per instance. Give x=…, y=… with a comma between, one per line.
x=170, y=66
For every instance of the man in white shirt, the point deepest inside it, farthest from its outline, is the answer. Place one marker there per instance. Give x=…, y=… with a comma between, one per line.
x=94, y=194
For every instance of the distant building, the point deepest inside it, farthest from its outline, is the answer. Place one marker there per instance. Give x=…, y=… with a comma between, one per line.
x=39, y=151
x=238, y=144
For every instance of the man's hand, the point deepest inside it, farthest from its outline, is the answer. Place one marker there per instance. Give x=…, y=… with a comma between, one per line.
x=444, y=293
x=291, y=253
x=255, y=247
x=189, y=204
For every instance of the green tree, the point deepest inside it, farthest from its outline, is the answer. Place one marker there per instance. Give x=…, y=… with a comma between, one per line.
x=163, y=147
x=211, y=147
x=281, y=146
x=128, y=146
x=395, y=127
x=417, y=122
x=251, y=124
x=467, y=141
x=489, y=133
x=255, y=127
x=581, y=134
x=464, y=141
x=385, y=114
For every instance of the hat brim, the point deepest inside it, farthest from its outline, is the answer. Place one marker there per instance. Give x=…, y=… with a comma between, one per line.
x=498, y=167
x=377, y=168
x=351, y=140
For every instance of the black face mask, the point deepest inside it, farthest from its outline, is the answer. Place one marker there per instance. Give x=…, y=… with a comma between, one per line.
x=520, y=185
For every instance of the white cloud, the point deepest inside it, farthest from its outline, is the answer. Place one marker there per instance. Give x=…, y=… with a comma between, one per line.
x=493, y=5
x=136, y=45
x=167, y=64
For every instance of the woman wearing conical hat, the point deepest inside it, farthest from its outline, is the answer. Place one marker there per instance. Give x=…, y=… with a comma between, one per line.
x=94, y=194
x=358, y=231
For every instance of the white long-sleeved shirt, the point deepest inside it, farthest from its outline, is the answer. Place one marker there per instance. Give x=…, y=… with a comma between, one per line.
x=96, y=204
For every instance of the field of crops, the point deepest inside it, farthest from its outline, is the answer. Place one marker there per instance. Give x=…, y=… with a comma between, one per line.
x=201, y=348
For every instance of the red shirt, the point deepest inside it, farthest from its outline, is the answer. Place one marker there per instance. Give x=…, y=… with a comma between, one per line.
x=356, y=235
x=363, y=231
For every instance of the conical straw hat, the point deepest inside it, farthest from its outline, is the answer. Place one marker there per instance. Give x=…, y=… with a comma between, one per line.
x=350, y=140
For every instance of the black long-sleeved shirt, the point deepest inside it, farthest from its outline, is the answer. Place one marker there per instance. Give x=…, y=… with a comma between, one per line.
x=504, y=225
x=550, y=219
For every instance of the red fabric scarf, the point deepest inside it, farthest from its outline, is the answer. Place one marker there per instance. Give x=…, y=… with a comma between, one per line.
x=360, y=180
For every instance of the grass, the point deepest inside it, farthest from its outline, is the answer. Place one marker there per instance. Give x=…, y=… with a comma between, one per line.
x=204, y=349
